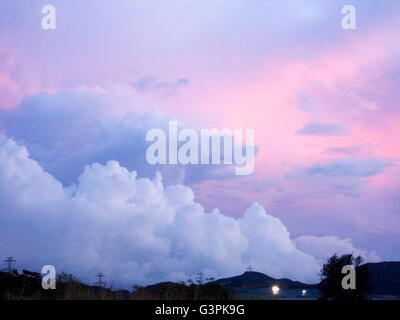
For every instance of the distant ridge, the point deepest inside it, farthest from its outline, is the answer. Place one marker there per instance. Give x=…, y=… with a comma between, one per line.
x=384, y=277
x=384, y=280
x=252, y=279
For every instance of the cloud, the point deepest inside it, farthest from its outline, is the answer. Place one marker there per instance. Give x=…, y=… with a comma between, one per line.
x=346, y=176
x=383, y=92
x=350, y=167
x=350, y=150
x=146, y=84
x=321, y=129
x=67, y=130
x=324, y=247
x=133, y=229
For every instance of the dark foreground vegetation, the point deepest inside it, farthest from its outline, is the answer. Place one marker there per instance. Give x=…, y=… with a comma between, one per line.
x=374, y=280
x=181, y=291
x=331, y=286
x=27, y=286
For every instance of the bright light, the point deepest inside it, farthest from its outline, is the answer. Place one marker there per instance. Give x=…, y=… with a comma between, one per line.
x=275, y=289
x=304, y=292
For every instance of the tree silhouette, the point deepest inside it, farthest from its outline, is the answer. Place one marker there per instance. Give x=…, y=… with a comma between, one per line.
x=332, y=276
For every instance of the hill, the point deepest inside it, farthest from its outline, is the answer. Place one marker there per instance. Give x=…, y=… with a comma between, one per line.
x=384, y=278
x=251, y=279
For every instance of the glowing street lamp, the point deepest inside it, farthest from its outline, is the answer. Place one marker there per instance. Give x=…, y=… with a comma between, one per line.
x=304, y=292
x=275, y=290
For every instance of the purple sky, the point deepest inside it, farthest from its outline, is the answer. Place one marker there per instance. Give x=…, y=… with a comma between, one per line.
x=322, y=101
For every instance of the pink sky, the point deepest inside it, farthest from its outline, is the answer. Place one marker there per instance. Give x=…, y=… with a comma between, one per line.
x=275, y=79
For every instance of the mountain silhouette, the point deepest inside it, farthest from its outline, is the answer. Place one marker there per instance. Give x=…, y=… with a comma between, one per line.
x=252, y=279
x=384, y=277
x=384, y=280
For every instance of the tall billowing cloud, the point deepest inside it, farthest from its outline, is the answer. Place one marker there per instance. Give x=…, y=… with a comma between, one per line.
x=135, y=230
x=67, y=130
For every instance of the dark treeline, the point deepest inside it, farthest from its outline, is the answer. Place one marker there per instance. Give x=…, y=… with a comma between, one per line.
x=27, y=286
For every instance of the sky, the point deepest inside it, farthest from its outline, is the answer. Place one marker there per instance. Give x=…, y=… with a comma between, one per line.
x=76, y=103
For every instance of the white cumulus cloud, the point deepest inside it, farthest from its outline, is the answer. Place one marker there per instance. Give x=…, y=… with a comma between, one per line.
x=134, y=230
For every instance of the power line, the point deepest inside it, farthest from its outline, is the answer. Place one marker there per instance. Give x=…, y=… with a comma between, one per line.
x=9, y=261
x=200, y=277
x=100, y=281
